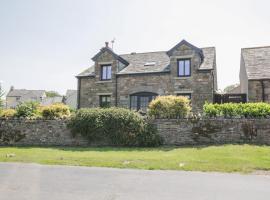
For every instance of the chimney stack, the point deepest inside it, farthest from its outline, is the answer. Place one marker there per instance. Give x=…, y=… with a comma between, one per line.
x=107, y=44
x=11, y=88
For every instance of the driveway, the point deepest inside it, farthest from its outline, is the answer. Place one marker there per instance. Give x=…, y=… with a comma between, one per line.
x=32, y=181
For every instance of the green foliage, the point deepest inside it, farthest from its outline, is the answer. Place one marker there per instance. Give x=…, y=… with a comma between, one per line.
x=7, y=113
x=247, y=110
x=55, y=111
x=169, y=107
x=27, y=110
x=230, y=87
x=52, y=94
x=117, y=126
x=1, y=96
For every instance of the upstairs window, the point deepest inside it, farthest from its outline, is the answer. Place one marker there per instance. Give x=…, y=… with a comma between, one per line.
x=105, y=101
x=106, y=72
x=184, y=68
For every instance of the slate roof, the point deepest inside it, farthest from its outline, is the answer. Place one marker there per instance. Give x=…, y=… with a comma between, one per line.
x=136, y=61
x=24, y=93
x=257, y=62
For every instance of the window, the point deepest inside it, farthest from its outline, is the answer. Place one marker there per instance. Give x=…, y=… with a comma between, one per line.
x=188, y=95
x=105, y=101
x=184, y=68
x=140, y=101
x=18, y=98
x=106, y=72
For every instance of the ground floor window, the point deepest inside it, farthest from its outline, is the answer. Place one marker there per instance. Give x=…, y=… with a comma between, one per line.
x=188, y=95
x=105, y=101
x=140, y=101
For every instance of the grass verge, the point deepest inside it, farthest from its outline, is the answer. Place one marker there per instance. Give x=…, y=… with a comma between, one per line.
x=226, y=158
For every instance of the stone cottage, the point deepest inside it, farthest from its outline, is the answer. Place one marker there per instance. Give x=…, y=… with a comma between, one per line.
x=133, y=80
x=16, y=96
x=255, y=73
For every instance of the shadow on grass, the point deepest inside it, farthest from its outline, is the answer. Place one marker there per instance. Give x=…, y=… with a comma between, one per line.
x=122, y=149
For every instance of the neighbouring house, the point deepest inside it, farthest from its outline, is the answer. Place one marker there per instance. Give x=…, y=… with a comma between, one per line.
x=17, y=96
x=71, y=98
x=255, y=73
x=51, y=100
x=133, y=80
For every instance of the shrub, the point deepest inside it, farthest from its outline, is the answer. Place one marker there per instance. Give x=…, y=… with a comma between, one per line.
x=7, y=113
x=117, y=126
x=169, y=107
x=27, y=110
x=248, y=110
x=55, y=111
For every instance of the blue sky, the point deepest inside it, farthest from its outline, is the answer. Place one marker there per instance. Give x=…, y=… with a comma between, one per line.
x=44, y=44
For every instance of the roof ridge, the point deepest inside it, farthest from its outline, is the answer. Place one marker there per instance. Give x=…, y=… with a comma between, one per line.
x=143, y=53
x=259, y=47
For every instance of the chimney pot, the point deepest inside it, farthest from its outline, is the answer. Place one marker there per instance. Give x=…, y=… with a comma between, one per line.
x=11, y=88
x=106, y=44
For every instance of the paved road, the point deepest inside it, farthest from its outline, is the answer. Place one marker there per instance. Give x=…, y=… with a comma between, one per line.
x=32, y=181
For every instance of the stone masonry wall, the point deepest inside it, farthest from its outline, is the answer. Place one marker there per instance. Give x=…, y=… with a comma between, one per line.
x=37, y=132
x=213, y=131
x=255, y=91
x=174, y=132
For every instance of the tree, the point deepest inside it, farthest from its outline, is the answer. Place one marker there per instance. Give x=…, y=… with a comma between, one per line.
x=230, y=87
x=1, y=96
x=52, y=94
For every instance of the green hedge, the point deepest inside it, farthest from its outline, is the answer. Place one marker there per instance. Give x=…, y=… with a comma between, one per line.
x=247, y=110
x=118, y=126
x=169, y=107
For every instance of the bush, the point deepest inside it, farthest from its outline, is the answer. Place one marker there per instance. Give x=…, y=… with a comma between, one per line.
x=117, y=126
x=247, y=110
x=27, y=110
x=169, y=107
x=55, y=111
x=7, y=113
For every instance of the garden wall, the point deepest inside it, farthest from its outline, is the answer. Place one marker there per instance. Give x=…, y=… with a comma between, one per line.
x=214, y=131
x=174, y=132
x=37, y=132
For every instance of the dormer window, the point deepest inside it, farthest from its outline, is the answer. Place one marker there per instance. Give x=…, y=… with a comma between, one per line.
x=106, y=72
x=183, y=68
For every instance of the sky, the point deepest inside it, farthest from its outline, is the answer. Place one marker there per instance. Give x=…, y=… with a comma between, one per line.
x=45, y=44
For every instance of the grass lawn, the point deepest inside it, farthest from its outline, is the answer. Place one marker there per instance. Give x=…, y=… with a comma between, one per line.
x=226, y=158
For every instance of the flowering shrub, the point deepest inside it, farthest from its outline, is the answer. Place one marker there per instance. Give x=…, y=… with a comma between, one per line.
x=7, y=113
x=55, y=111
x=169, y=107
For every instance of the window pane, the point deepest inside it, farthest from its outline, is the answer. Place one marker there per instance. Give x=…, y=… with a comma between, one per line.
x=103, y=73
x=144, y=101
x=181, y=68
x=105, y=101
x=187, y=67
x=133, y=102
x=109, y=72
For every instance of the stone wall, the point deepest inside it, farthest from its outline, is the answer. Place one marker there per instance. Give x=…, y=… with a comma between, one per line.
x=174, y=132
x=214, y=131
x=37, y=132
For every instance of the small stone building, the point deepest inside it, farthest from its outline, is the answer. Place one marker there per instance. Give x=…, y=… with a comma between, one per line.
x=16, y=96
x=255, y=73
x=133, y=80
